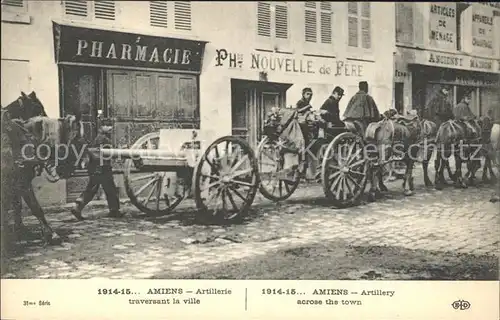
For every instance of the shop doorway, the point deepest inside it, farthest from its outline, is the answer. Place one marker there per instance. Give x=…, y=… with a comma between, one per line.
x=399, y=97
x=250, y=103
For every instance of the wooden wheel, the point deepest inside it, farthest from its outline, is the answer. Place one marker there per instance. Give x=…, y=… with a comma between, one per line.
x=276, y=182
x=154, y=193
x=344, y=170
x=226, y=179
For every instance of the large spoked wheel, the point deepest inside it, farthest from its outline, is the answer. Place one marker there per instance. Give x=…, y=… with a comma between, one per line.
x=278, y=180
x=154, y=193
x=226, y=179
x=344, y=170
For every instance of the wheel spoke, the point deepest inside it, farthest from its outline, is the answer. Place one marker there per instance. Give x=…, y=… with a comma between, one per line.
x=238, y=194
x=158, y=194
x=138, y=192
x=149, y=196
x=143, y=177
x=337, y=186
x=357, y=172
x=354, y=157
x=348, y=186
x=355, y=182
x=231, y=199
x=280, y=187
x=344, y=195
x=210, y=176
x=240, y=162
x=242, y=183
x=357, y=163
x=241, y=172
x=333, y=175
x=210, y=185
x=335, y=182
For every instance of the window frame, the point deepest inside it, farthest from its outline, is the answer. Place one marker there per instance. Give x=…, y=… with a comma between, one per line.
x=170, y=18
x=319, y=47
x=359, y=16
x=15, y=14
x=91, y=13
x=273, y=43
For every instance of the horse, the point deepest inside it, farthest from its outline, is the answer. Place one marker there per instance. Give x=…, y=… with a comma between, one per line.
x=486, y=128
x=392, y=136
x=28, y=132
x=495, y=155
x=429, y=130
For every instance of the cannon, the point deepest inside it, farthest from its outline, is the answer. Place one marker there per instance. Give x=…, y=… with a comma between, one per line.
x=222, y=176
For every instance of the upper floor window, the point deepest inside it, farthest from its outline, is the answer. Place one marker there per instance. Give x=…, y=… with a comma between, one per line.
x=404, y=22
x=170, y=14
x=14, y=5
x=98, y=9
x=318, y=22
x=359, y=25
x=273, y=20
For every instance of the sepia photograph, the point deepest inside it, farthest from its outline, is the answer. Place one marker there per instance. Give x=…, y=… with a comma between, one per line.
x=258, y=140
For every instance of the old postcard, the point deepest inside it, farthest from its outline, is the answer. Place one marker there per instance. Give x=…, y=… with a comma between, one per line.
x=257, y=159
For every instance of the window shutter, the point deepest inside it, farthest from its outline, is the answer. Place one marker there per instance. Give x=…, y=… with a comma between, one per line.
x=326, y=22
x=365, y=9
x=13, y=3
x=281, y=21
x=263, y=19
x=76, y=7
x=366, y=40
x=352, y=8
x=182, y=15
x=353, y=31
x=310, y=27
x=158, y=13
x=404, y=22
x=104, y=10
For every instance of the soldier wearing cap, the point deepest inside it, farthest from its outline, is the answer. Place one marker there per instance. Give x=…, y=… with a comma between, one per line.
x=462, y=111
x=304, y=104
x=330, y=109
x=101, y=174
x=439, y=109
x=362, y=106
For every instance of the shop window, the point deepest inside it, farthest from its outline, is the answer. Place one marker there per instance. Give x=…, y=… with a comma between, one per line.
x=318, y=22
x=101, y=10
x=171, y=14
x=272, y=20
x=404, y=22
x=359, y=25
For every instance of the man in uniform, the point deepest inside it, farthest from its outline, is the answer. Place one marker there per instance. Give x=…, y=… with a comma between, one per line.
x=362, y=107
x=439, y=109
x=330, y=109
x=304, y=103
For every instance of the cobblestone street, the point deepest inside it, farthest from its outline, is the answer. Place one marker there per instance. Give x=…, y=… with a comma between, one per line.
x=453, y=220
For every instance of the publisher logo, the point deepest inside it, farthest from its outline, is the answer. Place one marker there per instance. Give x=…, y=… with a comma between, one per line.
x=461, y=305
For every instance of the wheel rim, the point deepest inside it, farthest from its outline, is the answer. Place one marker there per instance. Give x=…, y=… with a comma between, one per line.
x=277, y=180
x=345, y=169
x=226, y=178
x=154, y=193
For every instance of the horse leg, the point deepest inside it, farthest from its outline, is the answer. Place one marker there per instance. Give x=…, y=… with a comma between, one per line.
x=425, y=165
x=19, y=228
x=382, y=187
x=49, y=236
x=373, y=187
x=438, y=168
x=408, y=179
x=459, y=181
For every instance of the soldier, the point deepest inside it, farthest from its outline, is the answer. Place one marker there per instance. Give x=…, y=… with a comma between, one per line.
x=362, y=106
x=462, y=111
x=304, y=104
x=330, y=109
x=439, y=108
x=101, y=173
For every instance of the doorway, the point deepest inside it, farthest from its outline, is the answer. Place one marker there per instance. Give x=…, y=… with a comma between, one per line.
x=250, y=103
x=399, y=97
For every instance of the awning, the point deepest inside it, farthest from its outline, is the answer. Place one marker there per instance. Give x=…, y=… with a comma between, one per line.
x=76, y=45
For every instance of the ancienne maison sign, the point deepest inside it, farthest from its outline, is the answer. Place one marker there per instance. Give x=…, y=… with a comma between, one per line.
x=109, y=48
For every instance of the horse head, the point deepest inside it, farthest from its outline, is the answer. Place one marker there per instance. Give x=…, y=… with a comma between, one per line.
x=25, y=107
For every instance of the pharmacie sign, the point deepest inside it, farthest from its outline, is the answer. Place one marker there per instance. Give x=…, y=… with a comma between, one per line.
x=104, y=47
x=477, y=32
